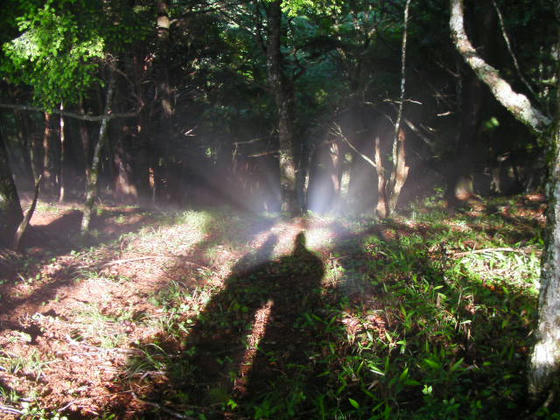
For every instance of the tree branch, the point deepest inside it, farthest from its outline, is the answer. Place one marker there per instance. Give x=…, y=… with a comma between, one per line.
x=83, y=117
x=510, y=49
x=517, y=104
x=337, y=131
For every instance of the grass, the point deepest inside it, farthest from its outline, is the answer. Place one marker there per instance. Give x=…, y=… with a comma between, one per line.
x=410, y=325
x=425, y=316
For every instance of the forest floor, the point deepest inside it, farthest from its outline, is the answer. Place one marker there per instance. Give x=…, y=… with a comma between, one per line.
x=213, y=313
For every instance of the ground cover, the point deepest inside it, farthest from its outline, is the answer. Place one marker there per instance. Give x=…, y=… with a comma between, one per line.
x=218, y=314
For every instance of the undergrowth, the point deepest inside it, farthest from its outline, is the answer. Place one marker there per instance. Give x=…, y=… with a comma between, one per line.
x=428, y=316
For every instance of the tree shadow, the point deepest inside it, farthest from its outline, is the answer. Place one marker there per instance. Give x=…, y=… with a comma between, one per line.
x=251, y=348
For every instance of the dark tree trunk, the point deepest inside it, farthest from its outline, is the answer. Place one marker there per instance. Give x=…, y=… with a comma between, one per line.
x=10, y=208
x=125, y=189
x=284, y=98
x=22, y=126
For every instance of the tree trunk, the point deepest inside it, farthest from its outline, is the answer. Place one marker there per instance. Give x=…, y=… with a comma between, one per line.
x=22, y=228
x=400, y=172
x=545, y=359
x=382, y=208
x=84, y=136
x=48, y=152
x=61, y=180
x=544, y=381
x=22, y=125
x=125, y=189
x=284, y=99
x=91, y=188
x=10, y=208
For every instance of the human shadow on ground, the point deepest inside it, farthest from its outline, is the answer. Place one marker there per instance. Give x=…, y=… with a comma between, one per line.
x=252, y=345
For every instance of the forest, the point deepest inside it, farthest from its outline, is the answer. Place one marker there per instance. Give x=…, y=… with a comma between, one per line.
x=280, y=209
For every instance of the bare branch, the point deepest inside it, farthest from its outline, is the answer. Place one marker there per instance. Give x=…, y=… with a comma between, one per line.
x=338, y=132
x=510, y=49
x=83, y=117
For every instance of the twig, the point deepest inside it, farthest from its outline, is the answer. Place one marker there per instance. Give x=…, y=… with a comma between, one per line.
x=153, y=257
x=60, y=410
x=148, y=257
x=10, y=410
x=481, y=251
x=160, y=407
x=510, y=49
x=100, y=349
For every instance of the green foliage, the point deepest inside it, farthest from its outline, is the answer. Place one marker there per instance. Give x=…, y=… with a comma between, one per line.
x=55, y=53
x=62, y=44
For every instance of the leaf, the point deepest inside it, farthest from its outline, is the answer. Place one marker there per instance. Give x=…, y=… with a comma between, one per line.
x=354, y=403
x=432, y=363
x=456, y=365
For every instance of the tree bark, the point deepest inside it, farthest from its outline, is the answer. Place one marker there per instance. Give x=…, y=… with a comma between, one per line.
x=545, y=359
x=544, y=381
x=284, y=99
x=10, y=208
x=91, y=188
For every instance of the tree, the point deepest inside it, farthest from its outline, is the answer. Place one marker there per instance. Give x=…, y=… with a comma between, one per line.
x=84, y=37
x=284, y=98
x=545, y=359
x=10, y=209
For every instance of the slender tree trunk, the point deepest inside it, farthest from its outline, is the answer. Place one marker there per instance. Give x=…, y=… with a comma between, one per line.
x=48, y=161
x=22, y=228
x=399, y=171
x=125, y=189
x=22, y=124
x=61, y=180
x=92, y=181
x=284, y=106
x=10, y=208
x=163, y=126
x=84, y=135
x=382, y=208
